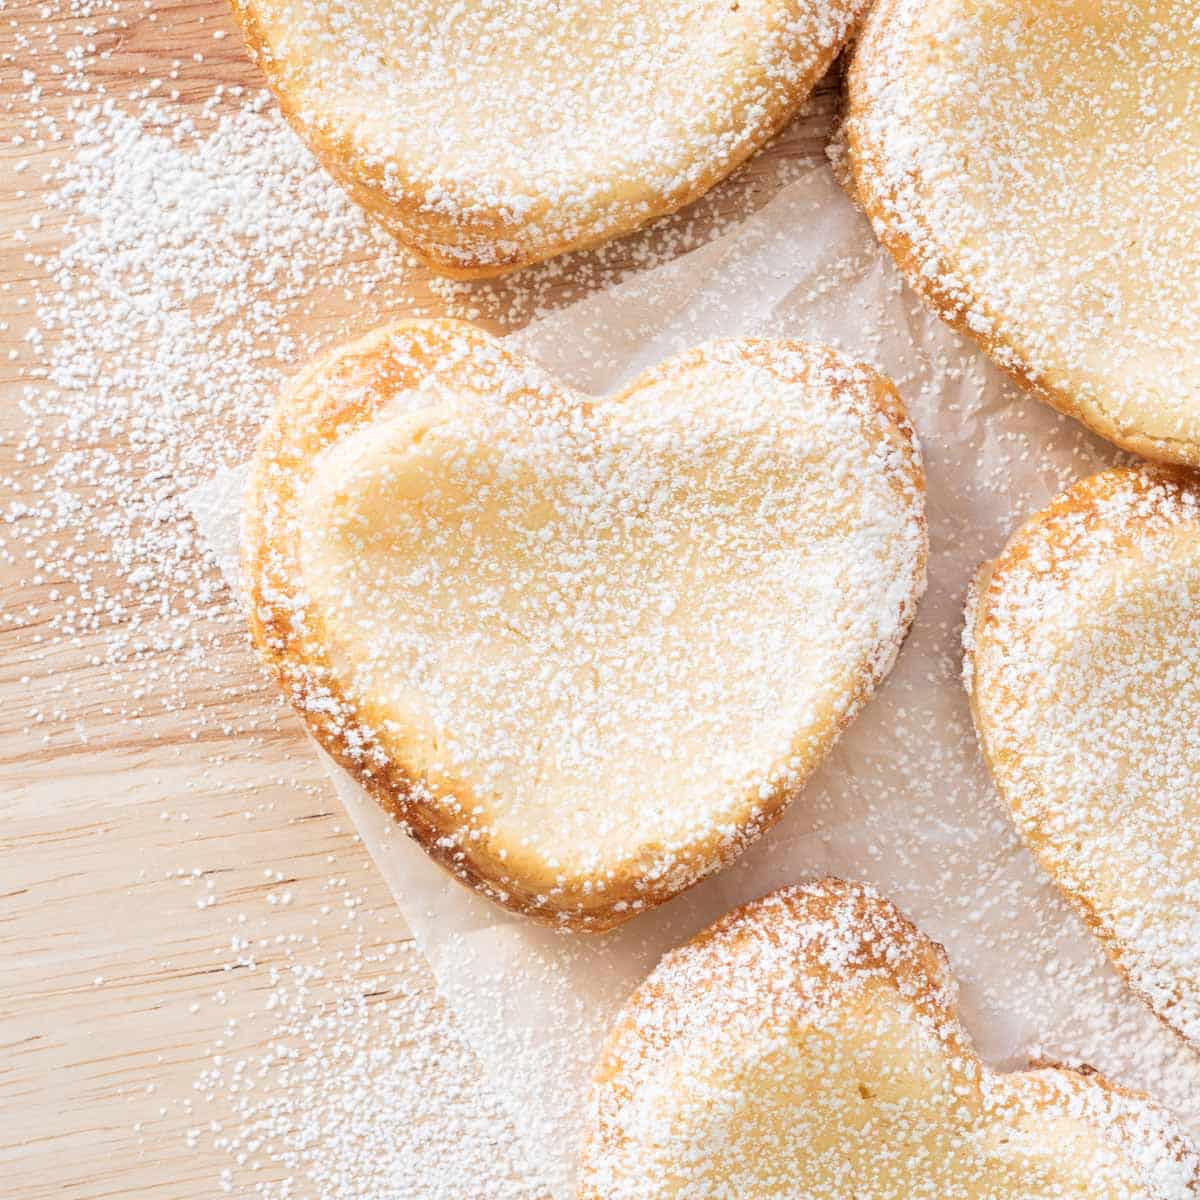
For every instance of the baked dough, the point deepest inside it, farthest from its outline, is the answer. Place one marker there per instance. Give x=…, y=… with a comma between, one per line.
x=1084, y=675
x=585, y=649
x=806, y=1047
x=1034, y=168
x=487, y=136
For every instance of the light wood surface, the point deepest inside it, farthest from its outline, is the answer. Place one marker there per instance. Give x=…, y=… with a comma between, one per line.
x=114, y=983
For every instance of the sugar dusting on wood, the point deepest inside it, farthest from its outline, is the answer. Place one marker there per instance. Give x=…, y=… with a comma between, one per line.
x=185, y=255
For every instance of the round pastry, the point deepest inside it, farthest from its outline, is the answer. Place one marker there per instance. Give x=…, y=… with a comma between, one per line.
x=807, y=1045
x=488, y=136
x=1083, y=669
x=585, y=649
x=1035, y=170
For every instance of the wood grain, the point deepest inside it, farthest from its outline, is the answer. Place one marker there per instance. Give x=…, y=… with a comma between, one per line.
x=109, y=1002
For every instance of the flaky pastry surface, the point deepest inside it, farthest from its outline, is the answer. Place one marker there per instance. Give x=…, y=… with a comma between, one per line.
x=487, y=136
x=586, y=649
x=1083, y=668
x=807, y=1045
x=1034, y=169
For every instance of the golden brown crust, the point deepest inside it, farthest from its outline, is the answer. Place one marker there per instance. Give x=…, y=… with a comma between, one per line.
x=334, y=393
x=787, y=961
x=400, y=211
x=478, y=242
x=1048, y=546
x=915, y=964
x=339, y=393
x=932, y=268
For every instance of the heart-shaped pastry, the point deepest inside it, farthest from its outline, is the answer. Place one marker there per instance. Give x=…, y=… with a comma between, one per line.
x=1035, y=170
x=487, y=136
x=806, y=1047
x=1084, y=675
x=585, y=649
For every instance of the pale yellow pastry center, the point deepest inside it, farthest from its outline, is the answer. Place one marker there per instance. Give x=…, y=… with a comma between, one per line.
x=806, y=1047
x=605, y=630
x=863, y=1099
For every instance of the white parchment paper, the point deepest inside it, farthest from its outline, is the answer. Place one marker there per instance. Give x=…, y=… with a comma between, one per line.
x=903, y=801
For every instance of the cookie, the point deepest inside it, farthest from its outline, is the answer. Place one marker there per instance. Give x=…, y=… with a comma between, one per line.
x=585, y=649
x=1033, y=168
x=1084, y=676
x=491, y=136
x=807, y=1045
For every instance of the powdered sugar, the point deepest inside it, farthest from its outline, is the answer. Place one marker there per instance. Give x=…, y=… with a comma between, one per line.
x=184, y=252
x=362, y=1089
x=500, y=134
x=808, y=1045
x=904, y=799
x=190, y=261
x=72, y=472
x=594, y=644
x=1035, y=169
x=202, y=256
x=1085, y=694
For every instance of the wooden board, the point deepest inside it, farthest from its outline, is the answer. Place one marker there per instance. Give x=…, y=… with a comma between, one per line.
x=116, y=984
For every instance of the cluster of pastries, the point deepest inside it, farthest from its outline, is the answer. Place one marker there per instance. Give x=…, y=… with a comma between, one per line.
x=587, y=649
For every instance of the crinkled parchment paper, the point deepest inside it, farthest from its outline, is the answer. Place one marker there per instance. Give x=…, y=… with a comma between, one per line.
x=903, y=801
